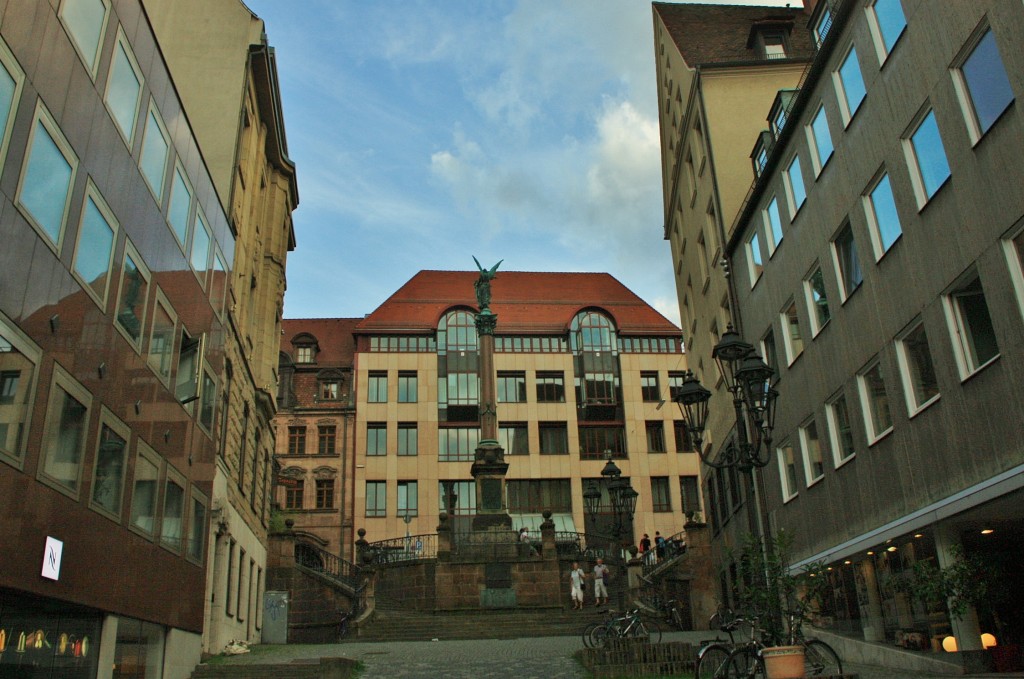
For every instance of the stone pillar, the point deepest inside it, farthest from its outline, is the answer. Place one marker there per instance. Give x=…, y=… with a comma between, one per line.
x=444, y=538
x=703, y=586
x=489, y=466
x=870, y=613
x=549, y=547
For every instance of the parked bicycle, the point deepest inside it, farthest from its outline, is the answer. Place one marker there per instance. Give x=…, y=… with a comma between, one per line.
x=719, y=659
x=622, y=626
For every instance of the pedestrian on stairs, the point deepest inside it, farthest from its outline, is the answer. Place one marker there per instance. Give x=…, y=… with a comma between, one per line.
x=600, y=581
x=576, y=579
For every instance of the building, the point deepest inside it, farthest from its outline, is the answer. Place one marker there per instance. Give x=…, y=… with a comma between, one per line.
x=316, y=430
x=116, y=258
x=583, y=369
x=878, y=260
x=226, y=74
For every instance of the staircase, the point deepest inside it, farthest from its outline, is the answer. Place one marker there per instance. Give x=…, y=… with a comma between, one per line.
x=404, y=625
x=307, y=668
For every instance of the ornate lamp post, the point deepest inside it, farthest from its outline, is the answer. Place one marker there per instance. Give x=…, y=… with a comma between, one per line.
x=623, y=502
x=748, y=379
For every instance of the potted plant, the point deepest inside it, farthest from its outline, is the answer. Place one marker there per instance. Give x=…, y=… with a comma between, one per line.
x=783, y=600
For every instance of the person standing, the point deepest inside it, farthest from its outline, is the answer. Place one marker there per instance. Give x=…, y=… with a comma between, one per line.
x=600, y=582
x=659, y=545
x=645, y=549
x=576, y=576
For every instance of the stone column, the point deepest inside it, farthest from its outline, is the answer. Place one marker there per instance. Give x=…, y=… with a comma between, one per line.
x=967, y=629
x=549, y=547
x=489, y=466
x=870, y=613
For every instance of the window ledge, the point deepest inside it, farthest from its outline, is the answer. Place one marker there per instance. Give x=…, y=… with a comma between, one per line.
x=789, y=499
x=985, y=135
x=821, y=328
x=814, y=482
x=881, y=437
x=852, y=293
x=931, y=199
x=841, y=463
x=925, y=406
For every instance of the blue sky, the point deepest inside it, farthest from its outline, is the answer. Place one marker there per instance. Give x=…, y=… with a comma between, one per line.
x=427, y=132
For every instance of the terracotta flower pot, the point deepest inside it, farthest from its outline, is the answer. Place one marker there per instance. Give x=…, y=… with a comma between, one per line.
x=784, y=662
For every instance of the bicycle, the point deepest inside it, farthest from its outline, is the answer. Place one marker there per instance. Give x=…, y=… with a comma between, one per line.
x=620, y=627
x=747, y=660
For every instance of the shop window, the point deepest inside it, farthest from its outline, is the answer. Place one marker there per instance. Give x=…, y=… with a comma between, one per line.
x=124, y=89
x=139, y=649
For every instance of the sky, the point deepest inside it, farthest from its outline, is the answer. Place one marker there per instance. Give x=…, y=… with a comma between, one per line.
x=428, y=132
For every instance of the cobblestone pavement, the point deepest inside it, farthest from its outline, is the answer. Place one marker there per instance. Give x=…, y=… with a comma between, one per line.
x=527, y=658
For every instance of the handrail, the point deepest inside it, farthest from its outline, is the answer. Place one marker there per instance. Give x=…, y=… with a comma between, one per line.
x=675, y=546
x=570, y=545
x=330, y=565
x=402, y=550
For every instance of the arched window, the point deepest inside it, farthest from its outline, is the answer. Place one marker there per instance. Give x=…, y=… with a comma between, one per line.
x=457, y=332
x=458, y=380
x=592, y=331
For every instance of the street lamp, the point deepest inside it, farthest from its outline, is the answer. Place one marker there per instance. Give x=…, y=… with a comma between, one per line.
x=623, y=500
x=748, y=379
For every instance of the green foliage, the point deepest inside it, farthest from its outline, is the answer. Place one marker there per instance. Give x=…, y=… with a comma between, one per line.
x=962, y=584
x=782, y=599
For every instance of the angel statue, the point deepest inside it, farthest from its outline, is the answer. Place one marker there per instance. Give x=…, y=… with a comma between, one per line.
x=483, y=284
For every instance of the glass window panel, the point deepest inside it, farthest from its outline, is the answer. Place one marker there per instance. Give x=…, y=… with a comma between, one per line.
x=144, y=494
x=197, y=529
x=796, y=184
x=554, y=438
x=108, y=473
x=823, y=25
x=62, y=460
x=882, y=214
x=987, y=84
x=95, y=250
x=325, y=493
x=8, y=89
x=180, y=204
x=200, y=256
x=842, y=432
x=207, y=401
x=975, y=332
x=84, y=19
x=154, y=156
x=879, y=419
x=918, y=370
x=124, y=90
x=407, y=387
x=174, y=508
x=376, y=498
x=891, y=22
x=408, y=439
x=930, y=154
x=773, y=224
x=161, y=342
x=17, y=388
x=791, y=326
x=754, y=261
x=46, y=183
x=818, y=299
x=787, y=470
x=408, y=498
x=850, y=276
x=821, y=137
x=853, y=89
x=131, y=308
x=514, y=439
x=376, y=439
x=813, y=460
x=378, y=388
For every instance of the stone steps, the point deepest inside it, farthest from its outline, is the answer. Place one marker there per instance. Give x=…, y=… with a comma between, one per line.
x=395, y=625
x=313, y=668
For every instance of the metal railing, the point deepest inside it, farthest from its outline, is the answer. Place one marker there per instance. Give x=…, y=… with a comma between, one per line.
x=330, y=565
x=402, y=550
x=675, y=545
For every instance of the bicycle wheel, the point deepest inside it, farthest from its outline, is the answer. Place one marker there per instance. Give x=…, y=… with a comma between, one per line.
x=587, y=631
x=677, y=618
x=651, y=630
x=599, y=636
x=745, y=663
x=820, y=659
x=712, y=662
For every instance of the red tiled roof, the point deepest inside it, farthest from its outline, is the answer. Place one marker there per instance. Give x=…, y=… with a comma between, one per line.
x=526, y=302
x=333, y=336
x=719, y=34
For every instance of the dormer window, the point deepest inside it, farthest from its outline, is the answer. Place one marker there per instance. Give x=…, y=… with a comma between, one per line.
x=774, y=46
x=778, y=114
x=306, y=348
x=769, y=37
x=759, y=156
x=304, y=354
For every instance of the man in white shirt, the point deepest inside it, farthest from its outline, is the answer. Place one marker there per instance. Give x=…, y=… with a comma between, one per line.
x=576, y=576
x=600, y=590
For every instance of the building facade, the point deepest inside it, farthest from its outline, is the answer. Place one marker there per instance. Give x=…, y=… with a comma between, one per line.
x=316, y=430
x=879, y=262
x=113, y=275
x=226, y=74
x=583, y=369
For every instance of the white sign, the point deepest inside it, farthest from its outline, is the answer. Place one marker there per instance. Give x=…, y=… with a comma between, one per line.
x=51, y=558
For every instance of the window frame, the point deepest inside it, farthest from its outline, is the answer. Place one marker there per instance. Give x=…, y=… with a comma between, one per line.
x=201, y=223
x=403, y=448
x=10, y=64
x=195, y=496
x=543, y=385
x=92, y=194
x=871, y=215
x=661, y=504
x=183, y=239
x=834, y=431
x=654, y=437
x=42, y=118
x=790, y=187
x=129, y=251
x=882, y=48
x=755, y=265
x=127, y=136
x=842, y=87
x=837, y=260
x=772, y=217
x=967, y=365
x=517, y=378
x=160, y=300
x=153, y=114
x=546, y=426
x=788, y=493
x=411, y=379
x=145, y=452
x=412, y=484
x=963, y=88
x=805, y=451
x=1015, y=260
x=869, y=406
x=113, y=423
x=793, y=352
x=817, y=163
x=324, y=493
x=33, y=353
x=913, y=158
x=813, y=307
x=908, y=369
x=380, y=509
x=93, y=67
x=172, y=475
x=62, y=382
x=379, y=449
x=373, y=390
